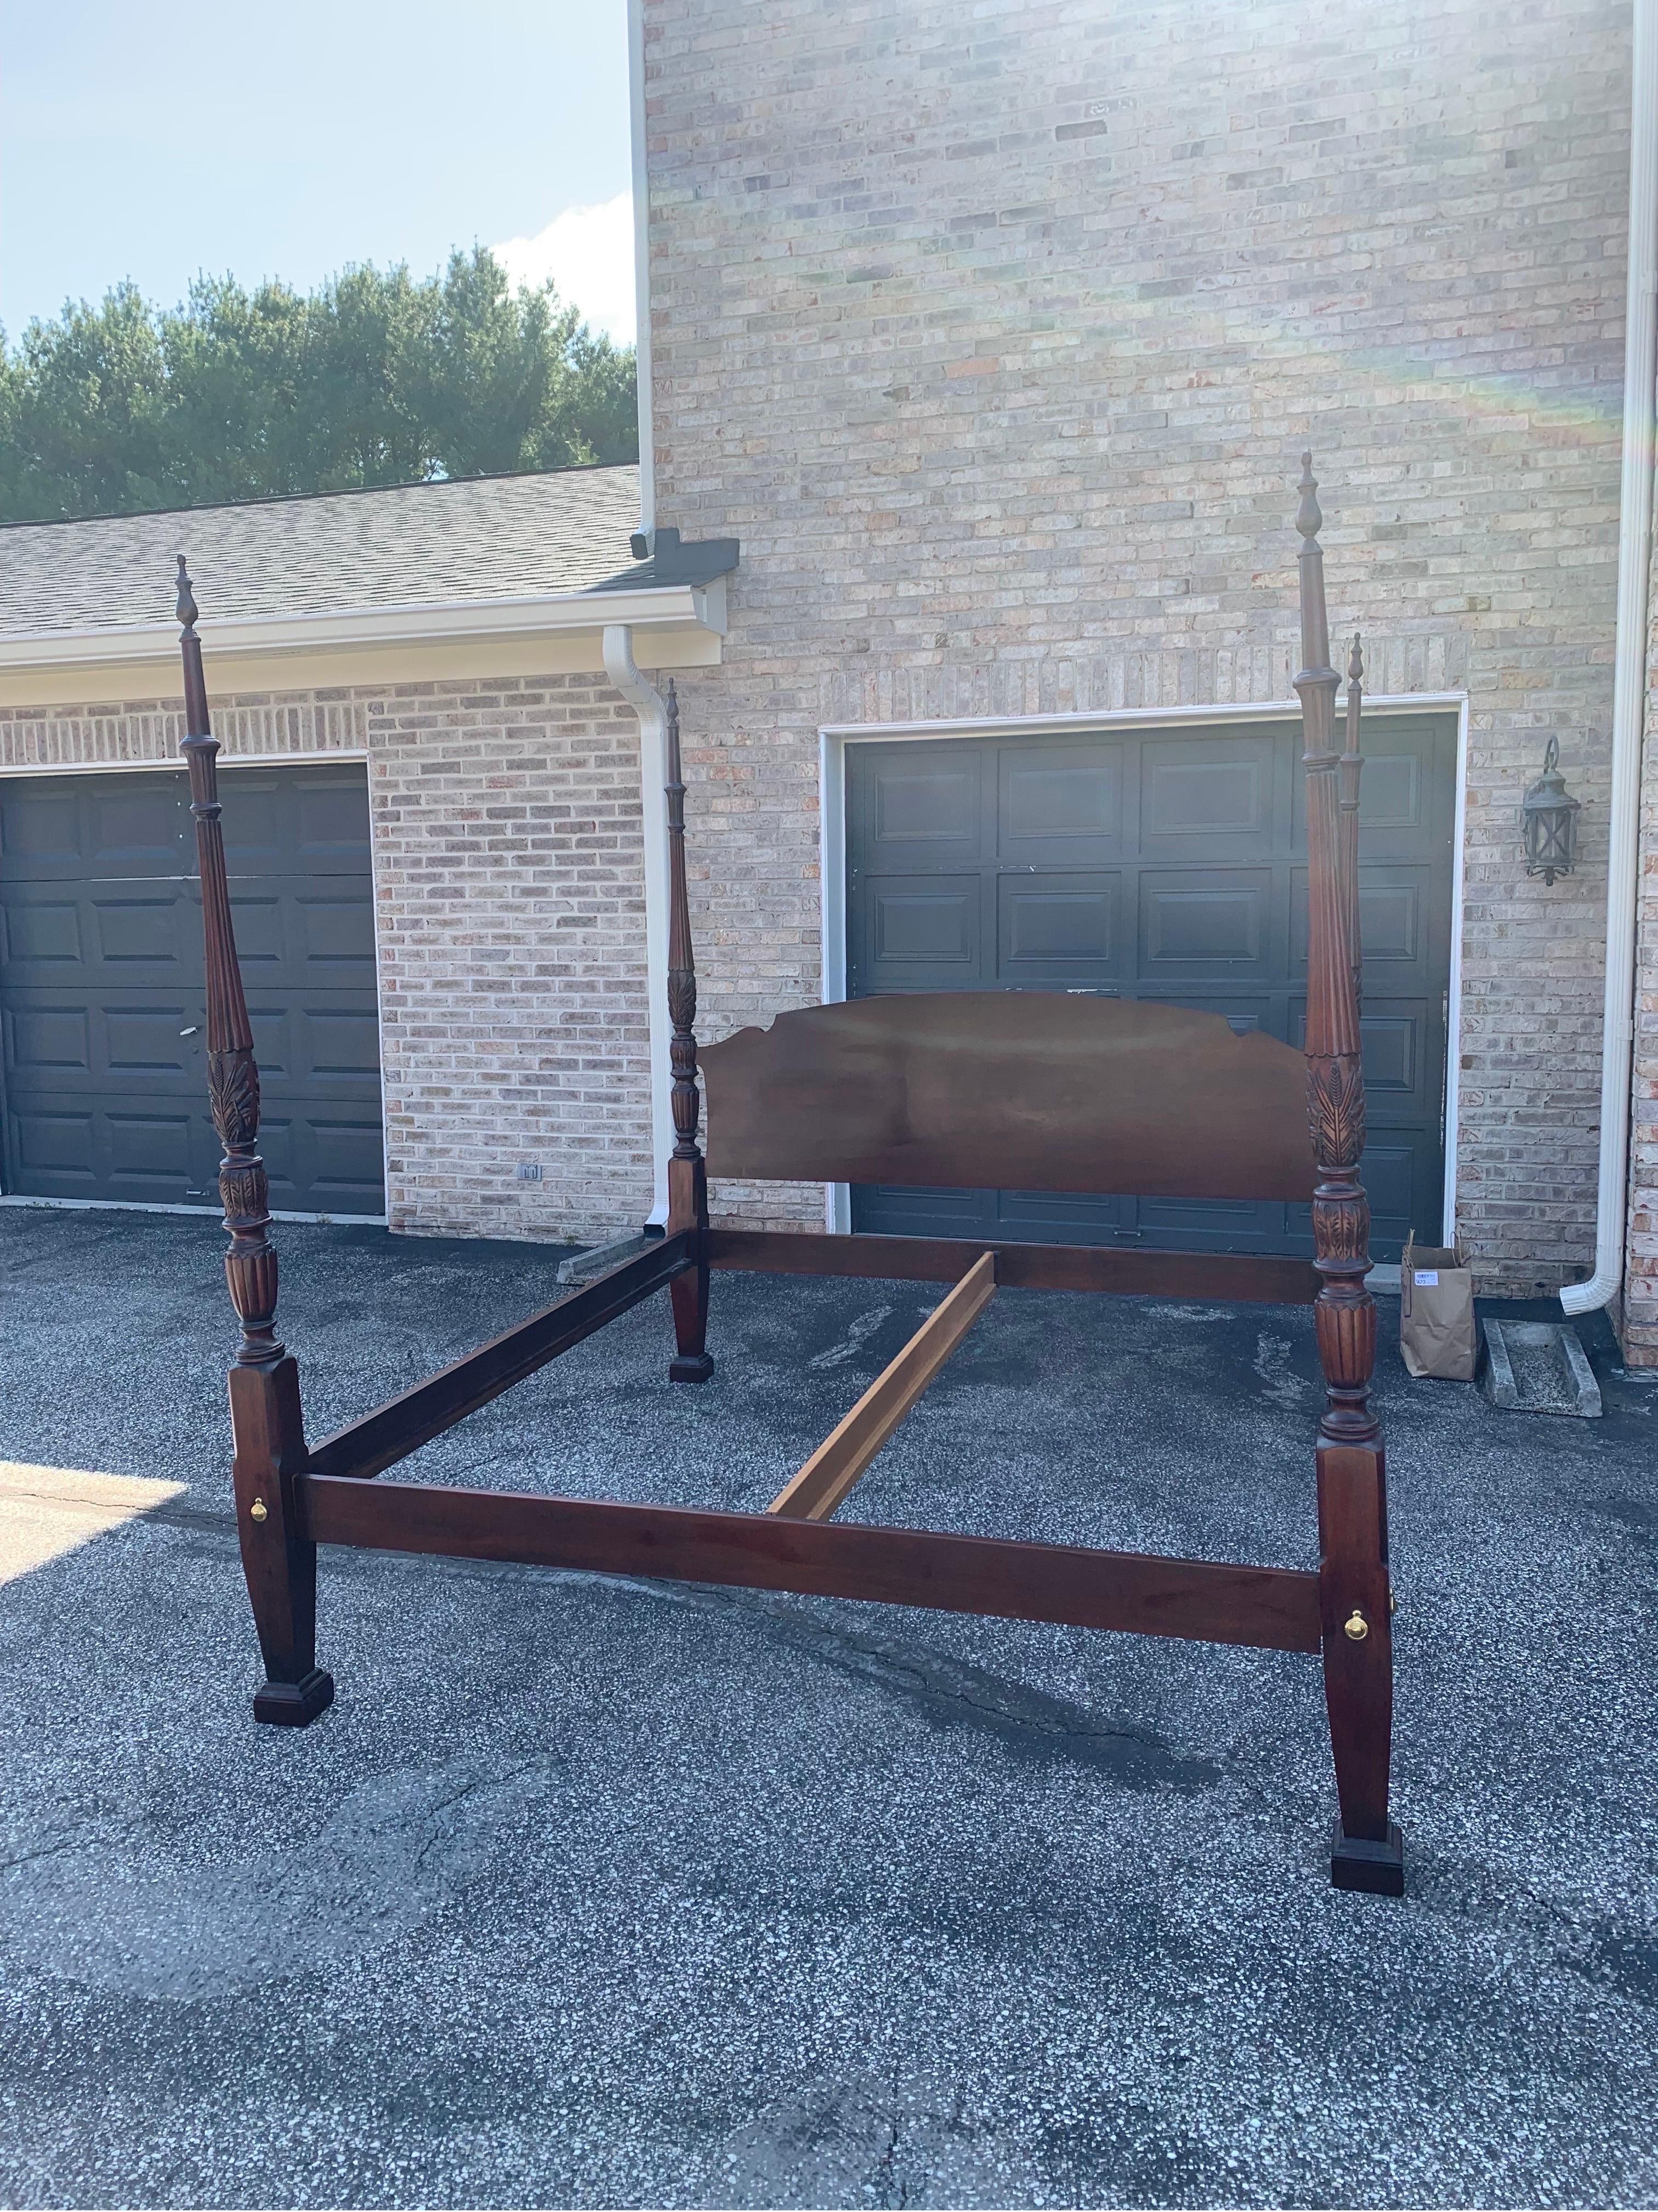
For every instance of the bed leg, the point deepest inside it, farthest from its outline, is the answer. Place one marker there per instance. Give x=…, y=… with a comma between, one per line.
x=1366, y=1849
x=687, y=1208
x=279, y=1562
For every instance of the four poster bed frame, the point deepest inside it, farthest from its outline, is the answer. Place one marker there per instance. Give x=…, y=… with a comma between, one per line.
x=976, y=1091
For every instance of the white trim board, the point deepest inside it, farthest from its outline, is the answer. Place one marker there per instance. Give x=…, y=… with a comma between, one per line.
x=834, y=738
x=312, y=759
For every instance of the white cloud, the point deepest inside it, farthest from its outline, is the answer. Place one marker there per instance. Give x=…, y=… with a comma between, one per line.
x=588, y=251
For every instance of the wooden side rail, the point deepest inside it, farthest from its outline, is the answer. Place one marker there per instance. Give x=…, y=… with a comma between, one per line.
x=380, y=1439
x=827, y=1476
x=1273, y=1609
x=1269, y=1280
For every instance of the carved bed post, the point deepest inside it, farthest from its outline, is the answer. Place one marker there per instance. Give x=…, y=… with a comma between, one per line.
x=266, y=1423
x=1366, y=1850
x=688, y=1183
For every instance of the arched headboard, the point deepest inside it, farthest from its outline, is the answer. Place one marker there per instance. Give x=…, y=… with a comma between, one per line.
x=1012, y=1089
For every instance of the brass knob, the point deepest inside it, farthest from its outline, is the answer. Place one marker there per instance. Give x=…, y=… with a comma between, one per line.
x=257, y=1511
x=1355, y=1627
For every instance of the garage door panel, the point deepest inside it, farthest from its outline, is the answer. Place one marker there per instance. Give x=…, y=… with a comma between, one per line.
x=310, y=822
x=55, y=1146
x=1194, y=923
x=257, y=918
x=1044, y=1217
x=1207, y=796
x=1060, y=805
x=336, y=934
x=300, y=1044
x=929, y=1212
x=40, y=835
x=65, y=830
x=1400, y=1040
x=1395, y=939
x=148, y=1150
x=148, y=1041
x=143, y=933
x=42, y=932
x=119, y=1039
x=1198, y=899
x=101, y=997
x=916, y=926
x=923, y=811
x=44, y=1043
x=101, y=1146
x=347, y=1165
x=136, y=825
x=1061, y=927
x=1185, y=1224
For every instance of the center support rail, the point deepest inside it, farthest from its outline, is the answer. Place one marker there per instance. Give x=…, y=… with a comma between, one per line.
x=829, y=1476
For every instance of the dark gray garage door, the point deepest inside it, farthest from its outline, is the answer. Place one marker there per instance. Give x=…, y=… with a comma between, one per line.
x=101, y=986
x=1166, y=863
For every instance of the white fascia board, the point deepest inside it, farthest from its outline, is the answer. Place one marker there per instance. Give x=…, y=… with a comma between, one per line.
x=659, y=608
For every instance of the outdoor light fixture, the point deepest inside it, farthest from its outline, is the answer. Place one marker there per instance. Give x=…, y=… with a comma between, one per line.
x=1548, y=821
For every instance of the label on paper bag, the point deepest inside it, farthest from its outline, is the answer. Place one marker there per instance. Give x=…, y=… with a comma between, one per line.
x=1427, y=1278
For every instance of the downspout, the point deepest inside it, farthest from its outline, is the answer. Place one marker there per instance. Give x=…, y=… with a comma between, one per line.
x=642, y=185
x=1628, y=683
x=644, y=698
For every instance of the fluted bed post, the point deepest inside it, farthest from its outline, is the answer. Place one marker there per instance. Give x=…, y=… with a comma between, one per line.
x=1366, y=1851
x=266, y=1421
x=688, y=1187
x=1352, y=768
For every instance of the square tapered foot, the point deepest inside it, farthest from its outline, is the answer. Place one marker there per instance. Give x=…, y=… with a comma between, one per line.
x=690, y=1367
x=293, y=1704
x=1357, y=1863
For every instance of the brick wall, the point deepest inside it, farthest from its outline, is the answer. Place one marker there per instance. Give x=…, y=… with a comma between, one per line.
x=510, y=900
x=994, y=334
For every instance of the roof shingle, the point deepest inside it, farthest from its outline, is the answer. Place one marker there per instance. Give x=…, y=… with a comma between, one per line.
x=489, y=538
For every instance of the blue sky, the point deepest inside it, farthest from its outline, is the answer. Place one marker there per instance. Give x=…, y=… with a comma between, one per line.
x=288, y=137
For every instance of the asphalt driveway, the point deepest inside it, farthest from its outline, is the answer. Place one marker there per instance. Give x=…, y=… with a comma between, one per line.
x=605, y=1892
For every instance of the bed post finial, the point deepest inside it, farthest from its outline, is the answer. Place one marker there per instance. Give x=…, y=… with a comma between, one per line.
x=1354, y=1593
x=265, y=1418
x=688, y=1188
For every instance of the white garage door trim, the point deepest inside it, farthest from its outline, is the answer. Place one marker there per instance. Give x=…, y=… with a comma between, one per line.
x=834, y=738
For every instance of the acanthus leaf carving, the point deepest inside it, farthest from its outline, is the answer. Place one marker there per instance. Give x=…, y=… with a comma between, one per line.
x=232, y=1087
x=1335, y=1109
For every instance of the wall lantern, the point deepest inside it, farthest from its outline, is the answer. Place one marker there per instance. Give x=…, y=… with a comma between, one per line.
x=1549, y=821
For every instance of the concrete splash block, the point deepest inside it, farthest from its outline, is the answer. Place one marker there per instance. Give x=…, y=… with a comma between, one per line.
x=1538, y=1367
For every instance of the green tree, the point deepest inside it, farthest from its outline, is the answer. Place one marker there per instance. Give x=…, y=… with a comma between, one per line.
x=378, y=378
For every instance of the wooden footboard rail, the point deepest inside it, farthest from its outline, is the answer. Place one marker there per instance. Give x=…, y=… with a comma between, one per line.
x=1273, y=1609
x=290, y=1497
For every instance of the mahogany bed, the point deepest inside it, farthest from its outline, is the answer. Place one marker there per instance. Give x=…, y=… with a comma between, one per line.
x=980, y=1090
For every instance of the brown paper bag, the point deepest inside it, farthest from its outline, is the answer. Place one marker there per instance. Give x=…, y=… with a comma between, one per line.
x=1436, y=1331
